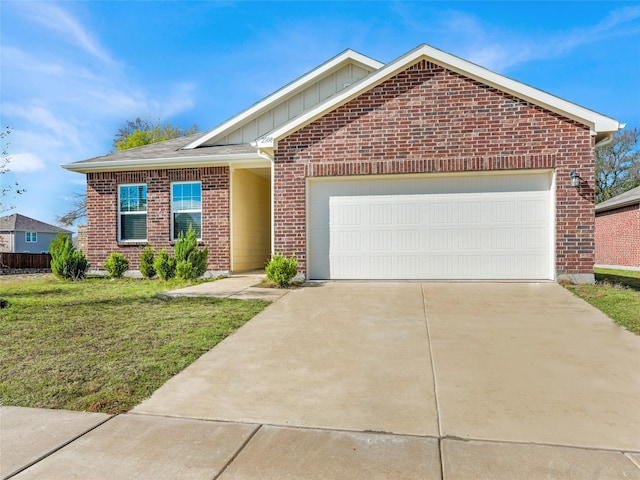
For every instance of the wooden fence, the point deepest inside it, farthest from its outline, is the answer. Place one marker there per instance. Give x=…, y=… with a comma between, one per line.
x=39, y=261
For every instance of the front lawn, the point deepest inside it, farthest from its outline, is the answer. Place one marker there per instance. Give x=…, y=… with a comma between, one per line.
x=617, y=294
x=103, y=345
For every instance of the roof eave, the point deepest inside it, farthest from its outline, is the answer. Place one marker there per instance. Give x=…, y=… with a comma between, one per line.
x=601, y=126
x=615, y=206
x=245, y=159
x=254, y=110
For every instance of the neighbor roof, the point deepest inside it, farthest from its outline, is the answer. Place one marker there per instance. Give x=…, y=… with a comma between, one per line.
x=630, y=197
x=20, y=223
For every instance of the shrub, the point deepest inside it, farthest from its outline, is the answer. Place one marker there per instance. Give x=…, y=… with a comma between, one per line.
x=190, y=262
x=165, y=265
x=146, y=262
x=281, y=270
x=66, y=261
x=116, y=265
x=185, y=270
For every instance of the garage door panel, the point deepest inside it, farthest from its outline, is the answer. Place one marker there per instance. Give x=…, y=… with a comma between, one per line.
x=467, y=235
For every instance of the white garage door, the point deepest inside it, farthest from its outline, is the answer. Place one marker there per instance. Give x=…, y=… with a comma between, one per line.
x=437, y=227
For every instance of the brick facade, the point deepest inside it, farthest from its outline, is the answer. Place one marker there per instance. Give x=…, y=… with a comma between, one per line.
x=102, y=213
x=618, y=237
x=427, y=120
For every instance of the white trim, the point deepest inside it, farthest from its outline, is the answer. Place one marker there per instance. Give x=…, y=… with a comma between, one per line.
x=120, y=213
x=553, y=214
x=287, y=90
x=246, y=160
x=174, y=237
x=597, y=122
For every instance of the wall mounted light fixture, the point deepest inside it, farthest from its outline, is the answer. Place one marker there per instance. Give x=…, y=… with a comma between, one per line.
x=575, y=178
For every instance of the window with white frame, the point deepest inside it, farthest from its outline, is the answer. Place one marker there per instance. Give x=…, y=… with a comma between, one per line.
x=132, y=212
x=186, y=208
x=31, y=237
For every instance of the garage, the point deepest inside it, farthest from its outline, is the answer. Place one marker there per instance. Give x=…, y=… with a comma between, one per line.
x=454, y=227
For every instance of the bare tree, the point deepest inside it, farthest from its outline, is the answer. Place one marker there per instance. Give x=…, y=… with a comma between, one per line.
x=77, y=212
x=4, y=168
x=618, y=165
x=134, y=133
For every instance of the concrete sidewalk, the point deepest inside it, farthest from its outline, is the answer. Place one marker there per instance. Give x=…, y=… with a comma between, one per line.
x=240, y=287
x=378, y=380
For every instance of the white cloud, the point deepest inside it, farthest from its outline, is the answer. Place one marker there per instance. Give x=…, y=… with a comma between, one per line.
x=499, y=48
x=57, y=20
x=25, y=162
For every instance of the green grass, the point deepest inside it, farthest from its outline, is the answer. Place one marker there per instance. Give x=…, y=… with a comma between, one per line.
x=617, y=294
x=103, y=345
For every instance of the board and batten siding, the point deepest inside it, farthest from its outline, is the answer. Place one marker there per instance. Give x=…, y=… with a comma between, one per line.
x=291, y=107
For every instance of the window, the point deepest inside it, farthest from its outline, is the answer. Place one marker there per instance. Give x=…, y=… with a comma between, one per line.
x=186, y=208
x=132, y=212
x=31, y=237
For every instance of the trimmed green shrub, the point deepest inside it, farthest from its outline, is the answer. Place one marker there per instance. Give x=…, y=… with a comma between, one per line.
x=281, y=270
x=165, y=265
x=146, y=262
x=116, y=265
x=66, y=261
x=185, y=270
x=190, y=262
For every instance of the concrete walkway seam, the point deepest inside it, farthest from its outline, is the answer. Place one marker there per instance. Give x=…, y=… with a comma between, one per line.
x=435, y=383
x=539, y=444
x=238, y=452
x=627, y=454
x=58, y=448
x=294, y=427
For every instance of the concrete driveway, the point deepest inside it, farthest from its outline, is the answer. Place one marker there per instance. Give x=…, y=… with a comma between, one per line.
x=390, y=380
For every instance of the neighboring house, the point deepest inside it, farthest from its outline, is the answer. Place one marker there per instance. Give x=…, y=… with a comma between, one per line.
x=20, y=234
x=428, y=167
x=618, y=231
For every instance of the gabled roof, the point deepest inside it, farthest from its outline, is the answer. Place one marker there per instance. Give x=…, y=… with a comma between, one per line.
x=297, y=86
x=601, y=126
x=20, y=223
x=201, y=149
x=630, y=197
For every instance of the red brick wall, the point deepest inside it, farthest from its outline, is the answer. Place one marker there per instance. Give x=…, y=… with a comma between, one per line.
x=618, y=237
x=102, y=213
x=428, y=119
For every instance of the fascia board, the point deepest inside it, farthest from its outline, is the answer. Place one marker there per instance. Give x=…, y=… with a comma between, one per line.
x=286, y=91
x=596, y=121
x=246, y=160
x=615, y=207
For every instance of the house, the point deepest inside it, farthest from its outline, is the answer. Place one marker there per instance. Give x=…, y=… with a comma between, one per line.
x=20, y=234
x=428, y=167
x=618, y=231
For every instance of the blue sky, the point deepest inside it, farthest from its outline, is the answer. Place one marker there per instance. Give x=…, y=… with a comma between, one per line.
x=72, y=73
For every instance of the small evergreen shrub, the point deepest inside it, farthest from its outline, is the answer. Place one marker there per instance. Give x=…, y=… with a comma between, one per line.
x=281, y=270
x=116, y=265
x=66, y=261
x=146, y=262
x=190, y=262
x=165, y=265
x=186, y=270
